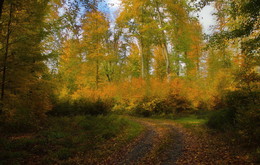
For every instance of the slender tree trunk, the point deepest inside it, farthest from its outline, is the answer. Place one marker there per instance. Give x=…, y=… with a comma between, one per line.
x=97, y=74
x=167, y=61
x=6, y=52
x=5, y=56
x=108, y=70
x=142, y=58
x=108, y=78
x=198, y=63
x=142, y=48
x=111, y=71
x=164, y=44
x=188, y=66
x=1, y=11
x=1, y=8
x=177, y=63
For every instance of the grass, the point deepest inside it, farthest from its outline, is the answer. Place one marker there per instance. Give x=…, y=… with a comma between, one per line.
x=190, y=121
x=66, y=138
x=187, y=121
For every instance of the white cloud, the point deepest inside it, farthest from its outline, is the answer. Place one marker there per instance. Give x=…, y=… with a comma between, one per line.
x=205, y=16
x=207, y=19
x=114, y=4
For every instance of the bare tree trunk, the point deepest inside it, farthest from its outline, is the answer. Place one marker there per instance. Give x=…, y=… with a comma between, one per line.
x=6, y=52
x=167, y=61
x=109, y=71
x=142, y=49
x=177, y=63
x=198, y=63
x=97, y=74
x=1, y=22
x=6, y=55
x=164, y=44
x=142, y=58
x=1, y=8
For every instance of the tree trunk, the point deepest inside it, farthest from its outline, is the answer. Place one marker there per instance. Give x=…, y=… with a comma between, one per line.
x=142, y=58
x=1, y=11
x=6, y=55
x=177, y=63
x=142, y=49
x=164, y=44
x=1, y=8
x=97, y=74
x=197, y=63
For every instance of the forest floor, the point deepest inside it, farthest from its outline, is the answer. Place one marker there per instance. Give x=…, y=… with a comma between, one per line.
x=166, y=142
x=127, y=140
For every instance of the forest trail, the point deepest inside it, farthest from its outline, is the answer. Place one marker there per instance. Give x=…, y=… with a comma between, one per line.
x=165, y=142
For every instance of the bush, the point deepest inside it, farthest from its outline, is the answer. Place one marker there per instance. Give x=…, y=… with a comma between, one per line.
x=246, y=105
x=22, y=120
x=179, y=103
x=242, y=115
x=155, y=106
x=221, y=120
x=99, y=107
x=146, y=107
x=82, y=107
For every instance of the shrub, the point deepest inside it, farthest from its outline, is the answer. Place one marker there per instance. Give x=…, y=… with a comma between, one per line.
x=82, y=107
x=22, y=120
x=179, y=103
x=221, y=120
x=241, y=115
x=155, y=106
x=146, y=106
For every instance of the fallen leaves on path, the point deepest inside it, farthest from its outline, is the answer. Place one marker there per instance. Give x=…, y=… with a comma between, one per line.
x=168, y=143
x=174, y=144
x=205, y=148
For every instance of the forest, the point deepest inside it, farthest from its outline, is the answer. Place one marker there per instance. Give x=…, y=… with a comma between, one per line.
x=129, y=82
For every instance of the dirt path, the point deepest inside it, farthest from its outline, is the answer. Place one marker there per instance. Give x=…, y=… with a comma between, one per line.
x=149, y=148
x=167, y=143
x=142, y=147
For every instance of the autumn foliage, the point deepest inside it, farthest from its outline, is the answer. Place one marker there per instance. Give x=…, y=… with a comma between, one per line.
x=70, y=58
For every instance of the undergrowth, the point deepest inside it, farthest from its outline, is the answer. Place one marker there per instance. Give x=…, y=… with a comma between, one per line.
x=64, y=138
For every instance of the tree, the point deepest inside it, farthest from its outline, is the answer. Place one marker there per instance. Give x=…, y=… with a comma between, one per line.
x=23, y=68
x=136, y=18
x=1, y=8
x=240, y=36
x=95, y=28
x=195, y=51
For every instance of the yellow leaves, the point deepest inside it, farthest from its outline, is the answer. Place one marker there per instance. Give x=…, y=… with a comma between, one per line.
x=133, y=10
x=135, y=54
x=133, y=6
x=95, y=28
x=53, y=9
x=63, y=93
x=158, y=55
x=93, y=94
x=95, y=24
x=95, y=56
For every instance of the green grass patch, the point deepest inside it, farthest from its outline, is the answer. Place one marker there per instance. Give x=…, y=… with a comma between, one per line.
x=134, y=130
x=187, y=121
x=66, y=137
x=191, y=120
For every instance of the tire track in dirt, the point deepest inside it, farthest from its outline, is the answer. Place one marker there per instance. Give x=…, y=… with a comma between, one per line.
x=144, y=146
x=169, y=143
x=168, y=147
x=150, y=148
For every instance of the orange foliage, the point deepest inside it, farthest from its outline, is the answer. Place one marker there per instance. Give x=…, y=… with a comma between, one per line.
x=129, y=93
